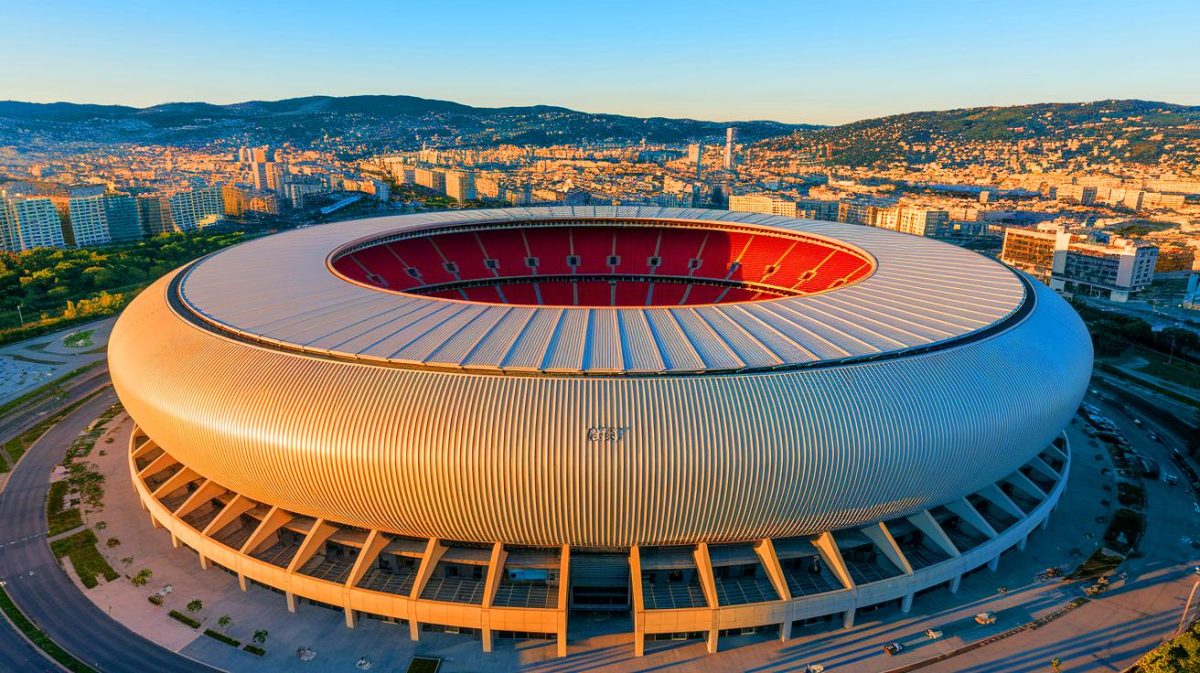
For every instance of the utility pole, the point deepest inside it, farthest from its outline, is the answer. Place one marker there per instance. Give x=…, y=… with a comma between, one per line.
x=20, y=315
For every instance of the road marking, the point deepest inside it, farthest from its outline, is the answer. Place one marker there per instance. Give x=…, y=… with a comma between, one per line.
x=24, y=539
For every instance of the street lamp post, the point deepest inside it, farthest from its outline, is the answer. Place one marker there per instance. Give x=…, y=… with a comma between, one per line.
x=20, y=315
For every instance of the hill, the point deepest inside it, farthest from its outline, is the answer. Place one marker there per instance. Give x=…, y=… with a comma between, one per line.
x=1142, y=131
x=373, y=123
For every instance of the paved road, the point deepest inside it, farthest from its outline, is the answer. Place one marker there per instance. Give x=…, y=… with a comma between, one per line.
x=39, y=586
x=31, y=413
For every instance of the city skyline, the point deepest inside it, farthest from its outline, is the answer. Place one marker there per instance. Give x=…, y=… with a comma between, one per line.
x=808, y=65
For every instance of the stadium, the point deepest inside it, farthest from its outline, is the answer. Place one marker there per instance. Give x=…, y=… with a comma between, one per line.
x=700, y=422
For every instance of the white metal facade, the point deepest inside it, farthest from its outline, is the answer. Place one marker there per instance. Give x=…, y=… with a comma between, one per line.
x=452, y=453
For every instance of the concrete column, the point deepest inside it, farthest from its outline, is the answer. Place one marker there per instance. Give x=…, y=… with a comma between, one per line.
x=241, y=581
x=414, y=630
x=154, y=522
x=174, y=541
x=906, y=603
x=994, y=564
x=785, y=631
x=564, y=583
x=204, y=564
x=291, y=601
x=955, y=584
x=1024, y=541
x=351, y=618
x=1046, y=522
x=487, y=639
x=710, y=642
x=639, y=606
x=848, y=619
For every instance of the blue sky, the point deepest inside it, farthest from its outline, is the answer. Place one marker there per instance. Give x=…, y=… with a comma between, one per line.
x=800, y=61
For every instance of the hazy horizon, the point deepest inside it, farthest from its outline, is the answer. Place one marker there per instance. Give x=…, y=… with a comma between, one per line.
x=486, y=105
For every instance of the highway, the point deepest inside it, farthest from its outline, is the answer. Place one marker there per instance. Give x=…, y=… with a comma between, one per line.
x=39, y=586
x=31, y=413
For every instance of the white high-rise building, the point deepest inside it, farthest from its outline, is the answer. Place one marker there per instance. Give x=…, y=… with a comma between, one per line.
x=460, y=185
x=771, y=204
x=28, y=222
x=89, y=221
x=923, y=221
x=197, y=208
x=730, y=139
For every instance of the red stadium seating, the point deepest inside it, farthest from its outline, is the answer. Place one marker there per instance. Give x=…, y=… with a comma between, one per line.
x=635, y=247
x=595, y=293
x=559, y=293
x=668, y=294
x=797, y=265
x=551, y=247
x=508, y=249
x=519, y=293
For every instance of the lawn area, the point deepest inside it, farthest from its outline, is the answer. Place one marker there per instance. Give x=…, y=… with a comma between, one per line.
x=13, y=449
x=1179, y=372
x=424, y=665
x=60, y=518
x=88, y=562
x=81, y=339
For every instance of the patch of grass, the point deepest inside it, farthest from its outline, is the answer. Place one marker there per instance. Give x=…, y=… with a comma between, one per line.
x=1147, y=383
x=184, y=619
x=58, y=516
x=1125, y=530
x=424, y=665
x=81, y=339
x=88, y=562
x=1099, y=563
x=1131, y=494
x=217, y=635
x=1177, y=371
x=39, y=637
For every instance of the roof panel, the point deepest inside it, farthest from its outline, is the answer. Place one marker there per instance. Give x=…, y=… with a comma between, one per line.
x=921, y=292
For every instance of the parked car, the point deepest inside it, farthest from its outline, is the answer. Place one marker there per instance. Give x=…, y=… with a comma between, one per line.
x=893, y=649
x=985, y=618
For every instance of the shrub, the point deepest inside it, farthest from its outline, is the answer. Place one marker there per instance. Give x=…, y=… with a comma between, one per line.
x=217, y=635
x=180, y=617
x=142, y=577
x=195, y=605
x=255, y=650
x=155, y=599
x=112, y=542
x=260, y=636
x=224, y=621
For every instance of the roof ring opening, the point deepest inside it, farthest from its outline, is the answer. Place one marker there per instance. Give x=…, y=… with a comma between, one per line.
x=602, y=263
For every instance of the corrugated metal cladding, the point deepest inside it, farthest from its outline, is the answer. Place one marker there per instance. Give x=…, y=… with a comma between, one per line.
x=606, y=461
x=279, y=289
